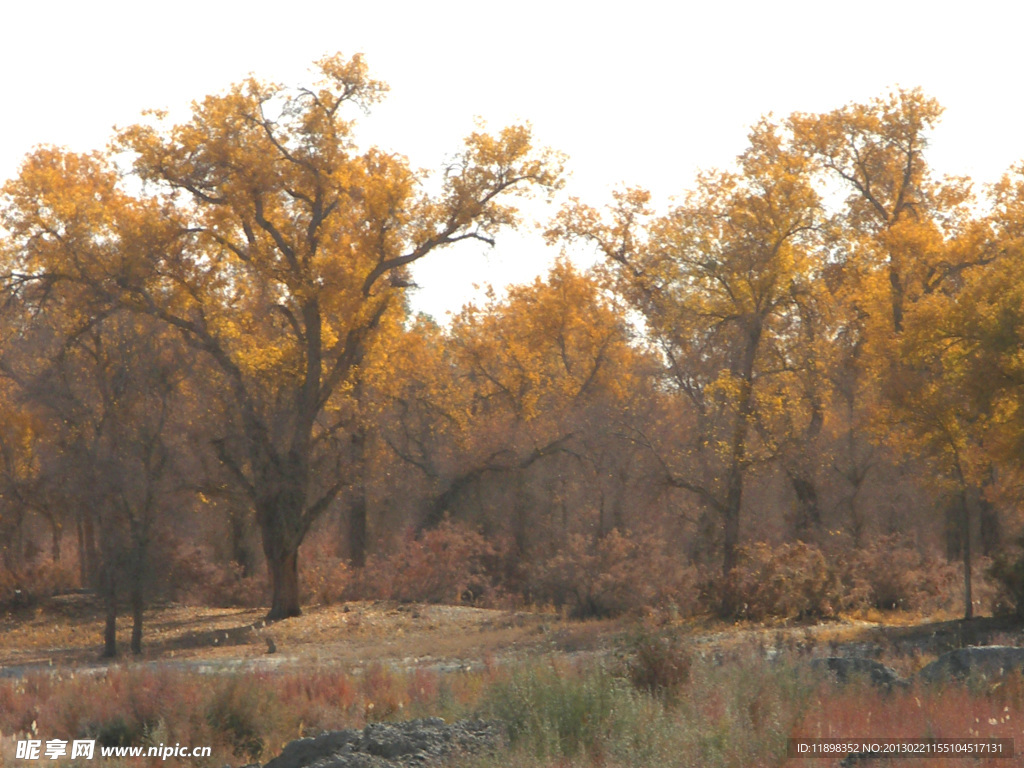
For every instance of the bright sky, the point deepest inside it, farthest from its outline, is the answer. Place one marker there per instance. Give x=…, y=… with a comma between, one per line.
x=640, y=93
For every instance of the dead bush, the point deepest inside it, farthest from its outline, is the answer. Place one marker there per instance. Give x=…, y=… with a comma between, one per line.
x=448, y=564
x=199, y=580
x=324, y=575
x=892, y=573
x=613, y=575
x=659, y=663
x=27, y=586
x=1007, y=571
x=785, y=581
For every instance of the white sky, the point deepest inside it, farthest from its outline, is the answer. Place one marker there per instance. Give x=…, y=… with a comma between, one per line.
x=639, y=93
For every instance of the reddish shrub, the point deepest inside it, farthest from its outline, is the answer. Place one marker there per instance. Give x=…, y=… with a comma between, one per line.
x=34, y=582
x=448, y=564
x=660, y=664
x=198, y=580
x=892, y=573
x=324, y=575
x=788, y=580
x=1007, y=571
x=616, y=574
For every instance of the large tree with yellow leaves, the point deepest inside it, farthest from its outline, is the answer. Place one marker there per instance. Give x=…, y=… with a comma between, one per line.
x=274, y=245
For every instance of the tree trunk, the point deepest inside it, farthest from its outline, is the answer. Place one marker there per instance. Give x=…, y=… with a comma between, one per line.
x=138, y=603
x=991, y=528
x=738, y=452
x=731, y=521
x=965, y=534
x=283, y=522
x=284, y=581
x=357, y=528
x=55, y=538
x=808, y=513
x=241, y=552
x=110, y=630
x=90, y=558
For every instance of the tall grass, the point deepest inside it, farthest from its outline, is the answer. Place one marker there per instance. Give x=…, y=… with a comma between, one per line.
x=739, y=715
x=735, y=714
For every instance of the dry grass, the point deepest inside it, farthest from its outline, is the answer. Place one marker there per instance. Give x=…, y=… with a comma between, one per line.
x=678, y=692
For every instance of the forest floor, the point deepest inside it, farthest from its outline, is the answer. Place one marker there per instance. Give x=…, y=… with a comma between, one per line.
x=67, y=632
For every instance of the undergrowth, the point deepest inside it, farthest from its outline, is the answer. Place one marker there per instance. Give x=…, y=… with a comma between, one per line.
x=657, y=704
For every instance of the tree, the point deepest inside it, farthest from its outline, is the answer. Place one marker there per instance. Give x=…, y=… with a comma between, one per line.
x=274, y=247
x=906, y=241
x=518, y=385
x=720, y=281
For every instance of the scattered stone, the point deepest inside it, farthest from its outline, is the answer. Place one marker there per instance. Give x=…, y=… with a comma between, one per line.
x=392, y=745
x=845, y=669
x=984, y=661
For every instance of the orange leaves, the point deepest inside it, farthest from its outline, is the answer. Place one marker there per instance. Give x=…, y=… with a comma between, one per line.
x=548, y=346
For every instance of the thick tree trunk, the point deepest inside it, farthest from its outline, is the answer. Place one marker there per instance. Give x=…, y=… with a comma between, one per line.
x=738, y=452
x=284, y=581
x=283, y=521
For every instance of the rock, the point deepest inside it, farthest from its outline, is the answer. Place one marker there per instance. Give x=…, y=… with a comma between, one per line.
x=984, y=661
x=847, y=668
x=392, y=745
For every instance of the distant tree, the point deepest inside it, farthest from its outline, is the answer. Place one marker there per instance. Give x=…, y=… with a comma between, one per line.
x=720, y=282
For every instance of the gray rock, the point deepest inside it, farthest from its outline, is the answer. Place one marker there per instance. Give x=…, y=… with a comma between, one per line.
x=983, y=661
x=845, y=669
x=392, y=745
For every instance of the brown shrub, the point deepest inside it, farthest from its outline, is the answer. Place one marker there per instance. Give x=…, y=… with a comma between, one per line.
x=448, y=564
x=1007, y=571
x=892, y=573
x=659, y=663
x=786, y=581
x=323, y=574
x=613, y=575
x=199, y=580
x=28, y=585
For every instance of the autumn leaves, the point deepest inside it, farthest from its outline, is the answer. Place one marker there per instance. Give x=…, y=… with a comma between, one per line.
x=740, y=329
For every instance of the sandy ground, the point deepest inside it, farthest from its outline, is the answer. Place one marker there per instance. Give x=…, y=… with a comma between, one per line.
x=69, y=631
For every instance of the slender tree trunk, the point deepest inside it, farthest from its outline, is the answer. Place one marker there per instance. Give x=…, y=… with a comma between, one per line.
x=357, y=536
x=808, y=513
x=83, y=572
x=110, y=629
x=991, y=528
x=357, y=510
x=731, y=521
x=138, y=604
x=55, y=538
x=241, y=552
x=91, y=558
x=965, y=533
